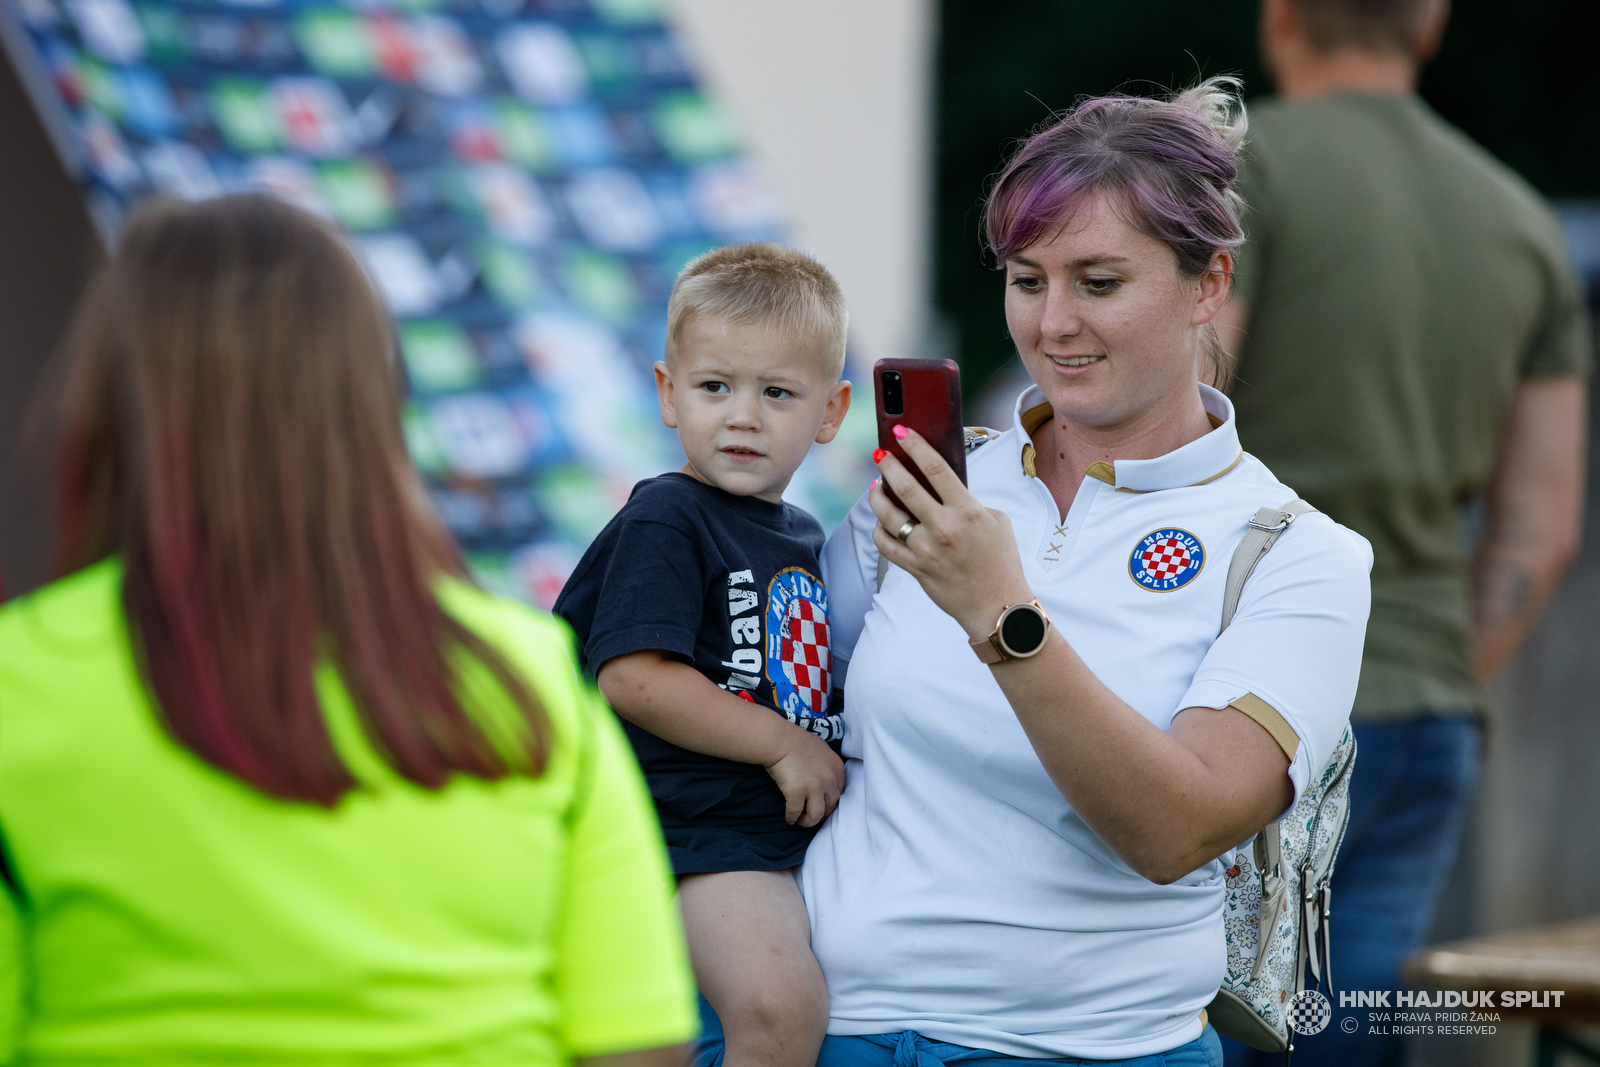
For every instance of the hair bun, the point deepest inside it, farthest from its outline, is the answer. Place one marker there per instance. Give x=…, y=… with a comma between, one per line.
x=1218, y=102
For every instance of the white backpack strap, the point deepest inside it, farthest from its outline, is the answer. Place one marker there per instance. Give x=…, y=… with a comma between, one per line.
x=1274, y=887
x=1265, y=529
x=1267, y=526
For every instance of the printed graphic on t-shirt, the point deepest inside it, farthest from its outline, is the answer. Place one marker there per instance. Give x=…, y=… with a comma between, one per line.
x=744, y=627
x=797, y=650
x=1164, y=560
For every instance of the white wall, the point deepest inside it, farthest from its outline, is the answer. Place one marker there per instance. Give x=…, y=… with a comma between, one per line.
x=834, y=99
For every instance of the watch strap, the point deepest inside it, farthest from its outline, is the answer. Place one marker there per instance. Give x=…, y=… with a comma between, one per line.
x=988, y=650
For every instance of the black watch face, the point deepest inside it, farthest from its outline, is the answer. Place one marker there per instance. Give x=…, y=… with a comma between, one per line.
x=1023, y=630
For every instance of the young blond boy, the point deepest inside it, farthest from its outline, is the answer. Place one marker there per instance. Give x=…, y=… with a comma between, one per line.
x=701, y=611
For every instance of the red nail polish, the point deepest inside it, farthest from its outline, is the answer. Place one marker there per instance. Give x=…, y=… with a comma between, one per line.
x=878, y=454
x=900, y=433
x=876, y=482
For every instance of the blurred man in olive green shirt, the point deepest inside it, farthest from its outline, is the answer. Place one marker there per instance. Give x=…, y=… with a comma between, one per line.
x=1409, y=337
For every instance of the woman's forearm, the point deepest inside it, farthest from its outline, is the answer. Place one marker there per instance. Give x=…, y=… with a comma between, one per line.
x=1167, y=803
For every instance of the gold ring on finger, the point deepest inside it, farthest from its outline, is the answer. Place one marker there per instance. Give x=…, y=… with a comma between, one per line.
x=905, y=531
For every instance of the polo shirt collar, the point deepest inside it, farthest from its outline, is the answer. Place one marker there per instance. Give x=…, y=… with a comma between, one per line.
x=1196, y=463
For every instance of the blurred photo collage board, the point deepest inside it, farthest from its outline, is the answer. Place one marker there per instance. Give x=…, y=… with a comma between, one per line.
x=522, y=179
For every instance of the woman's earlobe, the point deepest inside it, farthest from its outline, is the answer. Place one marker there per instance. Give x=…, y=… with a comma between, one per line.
x=1216, y=284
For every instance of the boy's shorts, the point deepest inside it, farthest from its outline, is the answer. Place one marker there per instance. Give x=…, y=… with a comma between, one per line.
x=744, y=830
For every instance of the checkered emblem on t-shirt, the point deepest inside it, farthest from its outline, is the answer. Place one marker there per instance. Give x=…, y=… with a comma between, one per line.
x=1166, y=559
x=1309, y=1012
x=797, y=644
x=804, y=653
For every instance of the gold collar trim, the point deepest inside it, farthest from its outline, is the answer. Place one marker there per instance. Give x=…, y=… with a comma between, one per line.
x=1112, y=480
x=1100, y=470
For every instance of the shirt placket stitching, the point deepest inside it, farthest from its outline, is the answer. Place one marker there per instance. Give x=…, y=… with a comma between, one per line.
x=1061, y=534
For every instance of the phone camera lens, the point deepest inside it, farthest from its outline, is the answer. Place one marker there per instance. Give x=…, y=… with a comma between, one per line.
x=894, y=397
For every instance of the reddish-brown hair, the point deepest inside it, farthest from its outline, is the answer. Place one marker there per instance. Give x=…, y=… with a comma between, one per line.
x=230, y=427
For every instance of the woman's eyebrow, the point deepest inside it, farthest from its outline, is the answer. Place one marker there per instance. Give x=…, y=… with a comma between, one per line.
x=1082, y=261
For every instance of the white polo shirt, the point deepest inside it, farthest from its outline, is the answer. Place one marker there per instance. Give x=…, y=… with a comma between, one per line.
x=955, y=892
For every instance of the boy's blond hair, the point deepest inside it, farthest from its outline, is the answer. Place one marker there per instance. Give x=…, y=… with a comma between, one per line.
x=761, y=283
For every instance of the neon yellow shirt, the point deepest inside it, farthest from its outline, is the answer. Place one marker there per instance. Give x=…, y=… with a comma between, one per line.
x=170, y=913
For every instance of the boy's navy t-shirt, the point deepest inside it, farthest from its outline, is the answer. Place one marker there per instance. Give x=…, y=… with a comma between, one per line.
x=728, y=584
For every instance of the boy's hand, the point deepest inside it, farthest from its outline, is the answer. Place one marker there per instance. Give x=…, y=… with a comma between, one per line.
x=811, y=776
x=679, y=704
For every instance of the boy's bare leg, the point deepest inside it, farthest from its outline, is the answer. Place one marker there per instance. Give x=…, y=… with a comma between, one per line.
x=750, y=943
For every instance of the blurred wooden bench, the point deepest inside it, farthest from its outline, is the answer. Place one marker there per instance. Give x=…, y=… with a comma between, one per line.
x=1561, y=957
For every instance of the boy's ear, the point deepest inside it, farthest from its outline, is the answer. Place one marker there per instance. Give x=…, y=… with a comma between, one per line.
x=669, y=409
x=833, y=415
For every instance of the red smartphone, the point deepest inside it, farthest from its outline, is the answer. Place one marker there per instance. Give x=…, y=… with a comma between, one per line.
x=923, y=395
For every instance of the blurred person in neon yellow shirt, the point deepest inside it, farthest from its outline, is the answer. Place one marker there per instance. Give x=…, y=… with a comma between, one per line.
x=277, y=783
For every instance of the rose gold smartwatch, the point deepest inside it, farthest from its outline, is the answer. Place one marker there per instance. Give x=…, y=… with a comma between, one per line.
x=1018, y=634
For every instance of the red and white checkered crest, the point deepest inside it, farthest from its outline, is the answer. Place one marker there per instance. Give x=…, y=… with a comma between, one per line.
x=804, y=653
x=1166, y=559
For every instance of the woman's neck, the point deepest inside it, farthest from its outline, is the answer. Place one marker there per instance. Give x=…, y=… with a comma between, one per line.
x=1064, y=450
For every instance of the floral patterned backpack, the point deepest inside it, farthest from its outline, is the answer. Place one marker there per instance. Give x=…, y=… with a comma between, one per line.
x=1277, y=907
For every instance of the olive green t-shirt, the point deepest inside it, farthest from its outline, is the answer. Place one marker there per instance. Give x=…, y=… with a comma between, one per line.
x=165, y=912
x=1400, y=283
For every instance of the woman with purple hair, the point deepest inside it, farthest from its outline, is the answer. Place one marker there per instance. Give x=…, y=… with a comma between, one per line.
x=1051, y=750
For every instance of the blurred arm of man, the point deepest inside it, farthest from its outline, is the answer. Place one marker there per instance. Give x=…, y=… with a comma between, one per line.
x=1535, y=514
x=1535, y=504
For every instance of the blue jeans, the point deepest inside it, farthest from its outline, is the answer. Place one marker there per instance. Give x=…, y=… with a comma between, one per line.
x=910, y=1049
x=1408, y=799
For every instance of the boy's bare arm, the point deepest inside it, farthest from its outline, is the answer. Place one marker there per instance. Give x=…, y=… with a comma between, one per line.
x=677, y=703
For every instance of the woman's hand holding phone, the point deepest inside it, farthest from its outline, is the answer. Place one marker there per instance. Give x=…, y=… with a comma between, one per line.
x=963, y=554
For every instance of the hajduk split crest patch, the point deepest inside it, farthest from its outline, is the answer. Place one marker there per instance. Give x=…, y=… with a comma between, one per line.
x=797, y=643
x=1165, y=560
